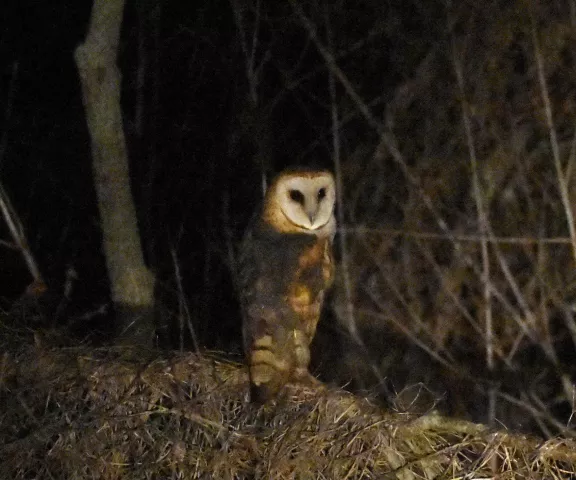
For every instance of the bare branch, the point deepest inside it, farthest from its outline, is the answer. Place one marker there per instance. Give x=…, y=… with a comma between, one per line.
x=18, y=235
x=560, y=174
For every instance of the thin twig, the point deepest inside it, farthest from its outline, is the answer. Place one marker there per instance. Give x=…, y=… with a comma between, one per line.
x=253, y=71
x=335, y=69
x=183, y=309
x=453, y=237
x=8, y=110
x=8, y=212
x=345, y=260
x=18, y=235
x=483, y=224
x=560, y=175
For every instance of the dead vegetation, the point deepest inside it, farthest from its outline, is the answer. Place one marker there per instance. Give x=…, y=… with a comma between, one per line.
x=120, y=413
x=460, y=227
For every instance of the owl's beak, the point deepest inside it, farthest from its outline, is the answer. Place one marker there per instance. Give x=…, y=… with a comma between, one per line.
x=311, y=213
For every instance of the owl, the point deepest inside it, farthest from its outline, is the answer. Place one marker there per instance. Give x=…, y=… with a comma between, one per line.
x=286, y=267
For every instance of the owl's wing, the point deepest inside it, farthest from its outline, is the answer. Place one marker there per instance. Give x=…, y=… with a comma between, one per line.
x=268, y=321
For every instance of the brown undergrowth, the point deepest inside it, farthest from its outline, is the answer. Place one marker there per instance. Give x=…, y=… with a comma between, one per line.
x=120, y=413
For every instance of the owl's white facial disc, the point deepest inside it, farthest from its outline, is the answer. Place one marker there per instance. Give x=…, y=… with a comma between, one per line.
x=308, y=201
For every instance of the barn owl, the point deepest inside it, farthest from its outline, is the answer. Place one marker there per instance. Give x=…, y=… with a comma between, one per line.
x=286, y=266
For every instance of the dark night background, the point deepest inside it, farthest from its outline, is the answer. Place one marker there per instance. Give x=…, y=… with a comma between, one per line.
x=191, y=147
x=201, y=136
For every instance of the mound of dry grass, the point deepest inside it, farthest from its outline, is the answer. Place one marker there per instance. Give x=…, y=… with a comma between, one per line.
x=121, y=413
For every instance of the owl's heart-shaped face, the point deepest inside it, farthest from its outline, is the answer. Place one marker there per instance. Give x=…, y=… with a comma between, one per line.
x=308, y=202
x=302, y=202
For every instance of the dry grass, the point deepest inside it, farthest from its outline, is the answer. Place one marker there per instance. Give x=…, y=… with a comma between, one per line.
x=119, y=413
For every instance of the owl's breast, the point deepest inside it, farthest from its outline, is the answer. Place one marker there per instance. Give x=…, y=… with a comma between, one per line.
x=316, y=266
x=313, y=275
x=287, y=270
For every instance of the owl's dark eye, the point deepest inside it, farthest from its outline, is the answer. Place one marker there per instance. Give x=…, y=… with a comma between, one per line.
x=296, y=196
x=321, y=193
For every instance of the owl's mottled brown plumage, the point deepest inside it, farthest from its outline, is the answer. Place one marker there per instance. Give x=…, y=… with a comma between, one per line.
x=286, y=266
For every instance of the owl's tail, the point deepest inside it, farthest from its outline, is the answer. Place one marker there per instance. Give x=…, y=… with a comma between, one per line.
x=269, y=371
x=274, y=362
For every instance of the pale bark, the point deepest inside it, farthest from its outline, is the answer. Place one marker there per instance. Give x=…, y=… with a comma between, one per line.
x=131, y=283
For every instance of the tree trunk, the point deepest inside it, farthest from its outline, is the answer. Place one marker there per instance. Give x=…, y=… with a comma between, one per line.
x=132, y=284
